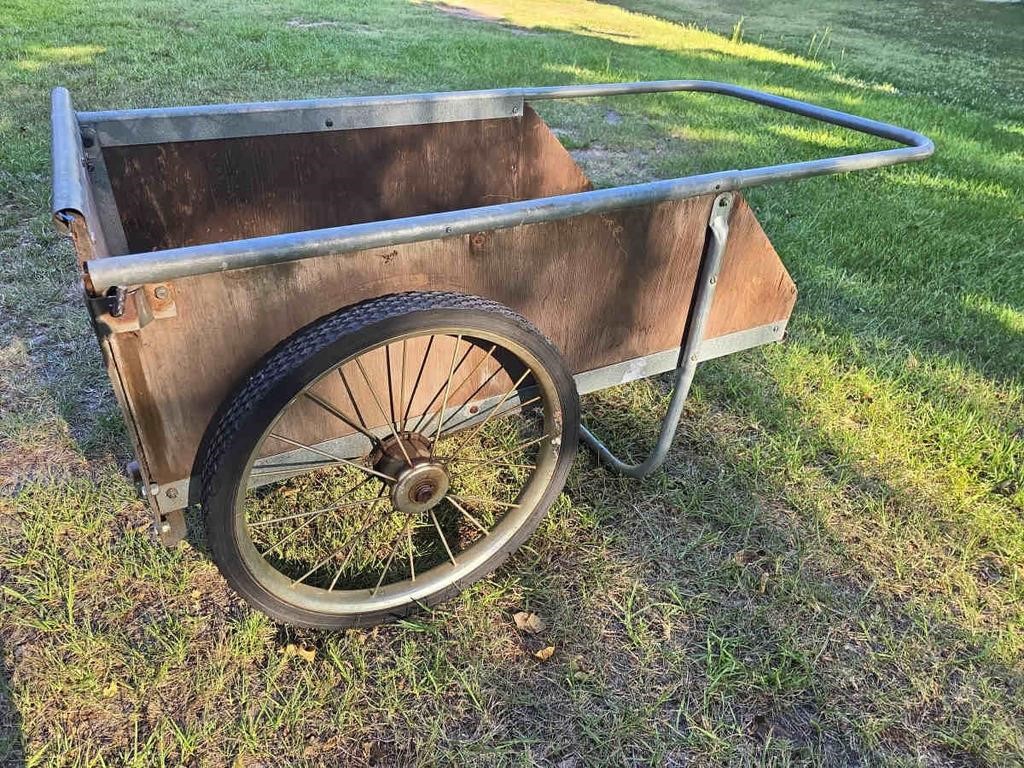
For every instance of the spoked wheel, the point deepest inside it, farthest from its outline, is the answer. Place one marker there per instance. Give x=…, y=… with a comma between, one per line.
x=387, y=456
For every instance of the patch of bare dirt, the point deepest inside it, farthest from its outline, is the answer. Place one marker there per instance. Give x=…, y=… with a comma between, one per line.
x=615, y=166
x=472, y=15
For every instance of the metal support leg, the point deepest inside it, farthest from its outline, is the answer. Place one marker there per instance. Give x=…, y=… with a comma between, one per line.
x=700, y=308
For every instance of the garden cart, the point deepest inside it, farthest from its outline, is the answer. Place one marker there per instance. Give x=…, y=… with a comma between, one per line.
x=354, y=331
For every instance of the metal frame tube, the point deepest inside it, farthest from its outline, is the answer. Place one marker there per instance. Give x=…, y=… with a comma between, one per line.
x=69, y=191
x=696, y=321
x=158, y=266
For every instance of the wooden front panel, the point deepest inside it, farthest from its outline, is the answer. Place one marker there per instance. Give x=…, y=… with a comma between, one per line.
x=195, y=192
x=604, y=288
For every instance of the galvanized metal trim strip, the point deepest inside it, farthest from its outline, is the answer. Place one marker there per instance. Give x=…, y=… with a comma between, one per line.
x=225, y=121
x=173, y=263
x=589, y=381
x=668, y=360
x=106, y=206
x=720, y=346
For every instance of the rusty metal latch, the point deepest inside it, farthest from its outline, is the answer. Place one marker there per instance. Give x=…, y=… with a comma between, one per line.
x=111, y=303
x=130, y=309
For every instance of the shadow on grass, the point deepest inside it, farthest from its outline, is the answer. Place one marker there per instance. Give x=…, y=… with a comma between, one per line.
x=746, y=628
x=12, y=743
x=704, y=609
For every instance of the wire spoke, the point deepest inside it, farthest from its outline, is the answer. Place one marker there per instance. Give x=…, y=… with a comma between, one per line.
x=501, y=402
x=423, y=419
x=352, y=398
x=314, y=449
x=401, y=384
x=299, y=515
x=468, y=516
x=311, y=520
x=336, y=412
x=391, y=391
x=336, y=552
x=447, y=389
x=416, y=384
x=481, y=500
x=406, y=524
x=477, y=391
x=352, y=549
x=468, y=376
x=412, y=565
x=520, y=447
x=515, y=407
x=391, y=426
x=387, y=567
x=492, y=463
x=444, y=541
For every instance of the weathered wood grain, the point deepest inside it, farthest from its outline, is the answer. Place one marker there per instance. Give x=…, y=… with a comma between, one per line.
x=604, y=288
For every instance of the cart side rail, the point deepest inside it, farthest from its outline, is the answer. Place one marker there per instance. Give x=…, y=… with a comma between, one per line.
x=136, y=269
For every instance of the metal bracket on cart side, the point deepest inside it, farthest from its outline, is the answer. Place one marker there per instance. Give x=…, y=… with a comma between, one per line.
x=700, y=309
x=122, y=310
x=168, y=515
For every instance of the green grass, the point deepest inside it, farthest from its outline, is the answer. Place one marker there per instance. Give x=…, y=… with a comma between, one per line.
x=829, y=570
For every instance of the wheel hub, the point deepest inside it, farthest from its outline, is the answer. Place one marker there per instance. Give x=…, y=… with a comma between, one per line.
x=420, y=487
x=420, y=482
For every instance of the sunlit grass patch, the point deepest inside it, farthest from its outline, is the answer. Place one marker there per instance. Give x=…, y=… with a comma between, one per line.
x=827, y=571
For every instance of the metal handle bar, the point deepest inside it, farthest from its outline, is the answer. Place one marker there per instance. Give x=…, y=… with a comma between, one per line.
x=158, y=266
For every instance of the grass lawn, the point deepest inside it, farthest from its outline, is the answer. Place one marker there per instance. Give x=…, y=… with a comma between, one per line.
x=829, y=569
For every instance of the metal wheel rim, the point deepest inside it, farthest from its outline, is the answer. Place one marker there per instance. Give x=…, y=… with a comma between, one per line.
x=402, y=593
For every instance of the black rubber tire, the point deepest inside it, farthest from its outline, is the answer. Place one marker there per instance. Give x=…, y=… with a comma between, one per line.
x=284, y=371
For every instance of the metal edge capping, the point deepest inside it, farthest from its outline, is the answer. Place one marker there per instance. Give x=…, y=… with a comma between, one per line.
x=184, y=490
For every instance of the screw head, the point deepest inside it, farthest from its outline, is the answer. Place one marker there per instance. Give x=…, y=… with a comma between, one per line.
x=160, y=292
x=171, y=493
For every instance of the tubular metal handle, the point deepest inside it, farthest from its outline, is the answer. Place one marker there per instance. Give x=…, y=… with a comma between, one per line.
x=158, y=266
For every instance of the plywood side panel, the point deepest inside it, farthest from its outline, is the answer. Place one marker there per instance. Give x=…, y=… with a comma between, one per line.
x=603, y=288
x=195, y=192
